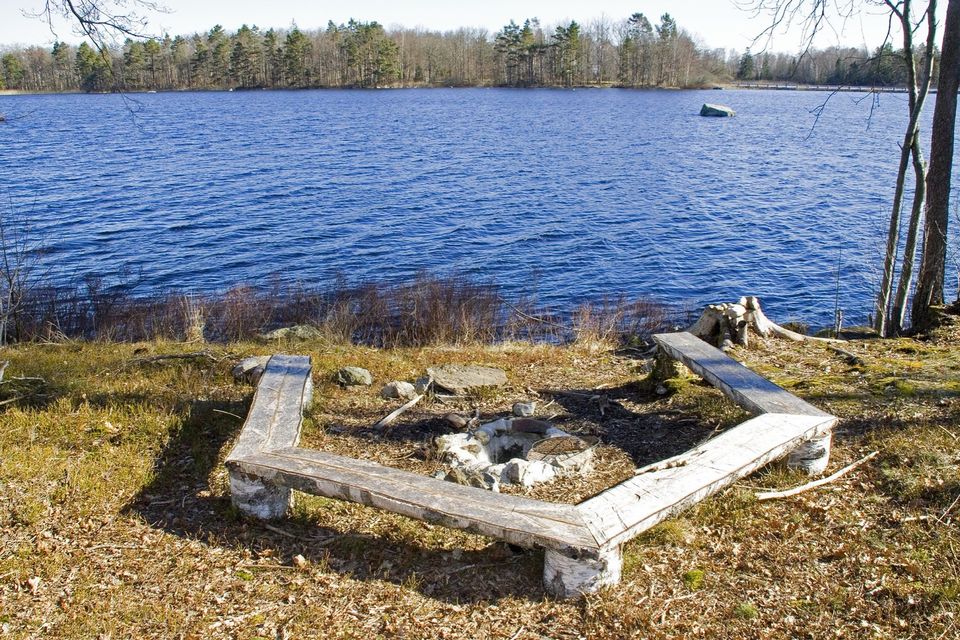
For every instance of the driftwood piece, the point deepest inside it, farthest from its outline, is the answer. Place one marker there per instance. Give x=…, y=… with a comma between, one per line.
x=733, y=321
x=396, y=413
x=773, y=495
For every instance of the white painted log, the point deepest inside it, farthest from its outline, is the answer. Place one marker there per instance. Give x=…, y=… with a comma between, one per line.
x=274, y=420
x=565, y=577
x=633, y=506
x=812, y=457
x=258, y=498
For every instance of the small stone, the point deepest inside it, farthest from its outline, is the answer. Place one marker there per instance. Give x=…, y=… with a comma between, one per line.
x=462, y=379
x=353, y=377
x=398, y=389
x=524, y=409
x=456, y=420
x=513, y=471
x=250, y=369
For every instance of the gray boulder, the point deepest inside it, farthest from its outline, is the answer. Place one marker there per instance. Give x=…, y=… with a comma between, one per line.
x=461, y=379
x=398, y=389
x=296, y=332
x=353, y=377
x=717, y=111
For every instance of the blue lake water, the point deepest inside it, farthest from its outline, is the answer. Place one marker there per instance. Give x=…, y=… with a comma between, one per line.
x=569, y=195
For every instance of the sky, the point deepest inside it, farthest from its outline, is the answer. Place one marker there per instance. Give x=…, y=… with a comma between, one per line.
x=717, y=23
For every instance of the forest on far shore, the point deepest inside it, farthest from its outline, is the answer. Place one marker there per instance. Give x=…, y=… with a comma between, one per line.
x=633, y=52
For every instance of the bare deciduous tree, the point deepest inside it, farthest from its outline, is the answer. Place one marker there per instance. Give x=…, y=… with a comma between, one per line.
x=102, y=21
x=814, y=16
x=890, y=321
x=929, y=291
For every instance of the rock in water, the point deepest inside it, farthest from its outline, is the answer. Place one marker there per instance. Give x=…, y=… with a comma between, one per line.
x=398, y=389
x=353, y=377
x=717, y=111
x=461, y=379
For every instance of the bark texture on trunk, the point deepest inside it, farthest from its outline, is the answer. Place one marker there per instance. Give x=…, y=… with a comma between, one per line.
x=933, y=261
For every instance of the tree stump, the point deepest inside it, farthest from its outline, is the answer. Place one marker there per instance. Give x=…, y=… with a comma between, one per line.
x=727, y=324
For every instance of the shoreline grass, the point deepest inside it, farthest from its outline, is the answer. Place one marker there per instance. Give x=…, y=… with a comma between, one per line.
x=429, y=309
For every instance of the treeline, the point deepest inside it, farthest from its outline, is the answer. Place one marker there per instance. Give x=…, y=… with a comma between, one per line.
x=633, y=52
x=884, y=67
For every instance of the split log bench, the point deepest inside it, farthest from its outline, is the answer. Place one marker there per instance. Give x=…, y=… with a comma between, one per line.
x=581, y=542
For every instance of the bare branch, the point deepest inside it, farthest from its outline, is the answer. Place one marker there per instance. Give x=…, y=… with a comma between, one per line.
x=102, y=22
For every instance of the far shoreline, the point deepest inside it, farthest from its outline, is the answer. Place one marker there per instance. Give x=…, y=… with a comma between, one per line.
x=717, y=87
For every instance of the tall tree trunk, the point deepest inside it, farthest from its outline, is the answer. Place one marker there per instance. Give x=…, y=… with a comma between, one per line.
x=934, y=259
x=898, y=316
x=886, y=322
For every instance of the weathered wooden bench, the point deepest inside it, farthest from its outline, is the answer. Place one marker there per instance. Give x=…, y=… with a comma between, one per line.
x=581, y=542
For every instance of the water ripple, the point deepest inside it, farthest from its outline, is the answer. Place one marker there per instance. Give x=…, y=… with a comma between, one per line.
x=566, y=195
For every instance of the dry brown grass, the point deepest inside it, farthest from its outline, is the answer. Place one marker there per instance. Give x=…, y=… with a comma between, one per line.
x=115, y=519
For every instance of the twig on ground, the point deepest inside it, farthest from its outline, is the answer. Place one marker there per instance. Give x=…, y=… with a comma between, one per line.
x=850, y=357
x=22, y=379
x=773, y=495
x=917, y=518
x=112, y=546
x=270, y=527
x=949, y=509
x=393, y=415
x=227, y=413
x=10, y=400
x=948, y=432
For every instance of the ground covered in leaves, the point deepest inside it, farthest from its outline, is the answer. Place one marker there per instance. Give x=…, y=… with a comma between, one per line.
x=115, y=519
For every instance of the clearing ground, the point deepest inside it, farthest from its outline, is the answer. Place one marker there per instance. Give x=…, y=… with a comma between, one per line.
x=115, y=518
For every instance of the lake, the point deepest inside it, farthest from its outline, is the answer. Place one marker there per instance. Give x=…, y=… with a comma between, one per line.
x=569, y=195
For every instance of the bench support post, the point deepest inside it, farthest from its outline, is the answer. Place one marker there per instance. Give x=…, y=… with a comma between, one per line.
x=565, y=577
x=811, y=457
x=257, y=497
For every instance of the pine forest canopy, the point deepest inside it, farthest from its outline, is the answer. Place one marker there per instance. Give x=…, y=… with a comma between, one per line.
x=634, y=52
